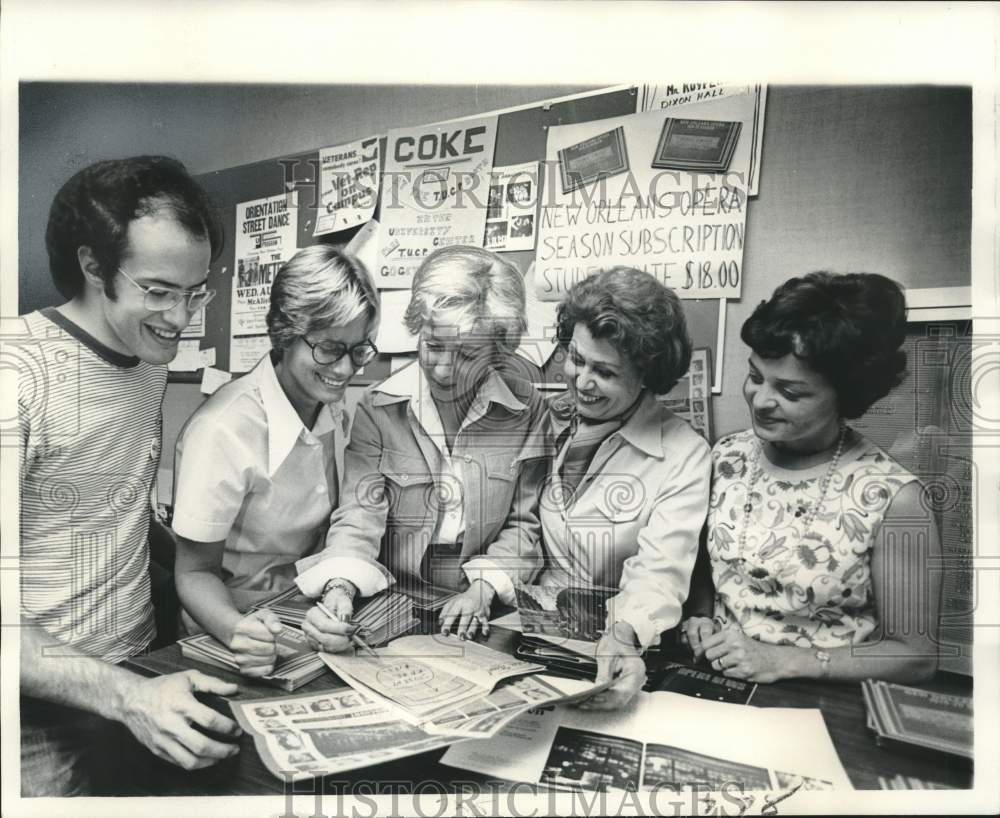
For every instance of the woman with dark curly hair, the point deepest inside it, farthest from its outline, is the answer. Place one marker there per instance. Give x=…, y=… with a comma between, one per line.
x=818, y=541
x=627, y=490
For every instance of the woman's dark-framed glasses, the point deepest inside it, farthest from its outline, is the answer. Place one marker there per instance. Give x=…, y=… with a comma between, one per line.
x=329, y=352
x=161, y=299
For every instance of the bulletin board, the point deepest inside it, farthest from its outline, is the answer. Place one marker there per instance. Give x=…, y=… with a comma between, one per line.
x=521, y=137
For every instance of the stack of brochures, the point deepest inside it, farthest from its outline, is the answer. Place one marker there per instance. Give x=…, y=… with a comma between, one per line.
x=908, y=717
x=297, y=662
x=380, y=618
x=426, y=598
x=384, y=617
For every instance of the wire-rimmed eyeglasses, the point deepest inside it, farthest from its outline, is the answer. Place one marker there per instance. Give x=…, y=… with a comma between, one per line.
x=161, y=299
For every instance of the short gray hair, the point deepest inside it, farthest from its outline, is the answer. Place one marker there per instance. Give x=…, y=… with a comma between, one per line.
x=319, y=287
x=472, y=290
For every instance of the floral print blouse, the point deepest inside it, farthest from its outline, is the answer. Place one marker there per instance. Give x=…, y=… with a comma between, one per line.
x=788, y=586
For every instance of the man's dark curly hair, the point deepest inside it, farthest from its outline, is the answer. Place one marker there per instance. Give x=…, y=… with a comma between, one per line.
x=848, y=328
x=641, y=317
x=94, y=209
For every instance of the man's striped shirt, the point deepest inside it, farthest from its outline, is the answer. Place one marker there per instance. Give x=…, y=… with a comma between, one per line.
x=90, y=424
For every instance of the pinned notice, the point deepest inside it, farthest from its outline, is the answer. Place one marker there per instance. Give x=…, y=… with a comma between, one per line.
x=435, y=192
x=684, y=227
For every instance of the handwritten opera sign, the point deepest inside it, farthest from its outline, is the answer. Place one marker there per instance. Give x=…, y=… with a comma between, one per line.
x=686, y=228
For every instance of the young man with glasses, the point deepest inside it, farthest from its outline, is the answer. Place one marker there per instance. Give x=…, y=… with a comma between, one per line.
x=129, y=245
x=255, y=476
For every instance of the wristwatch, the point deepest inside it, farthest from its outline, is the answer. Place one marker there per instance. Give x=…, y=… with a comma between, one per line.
x=344, y=585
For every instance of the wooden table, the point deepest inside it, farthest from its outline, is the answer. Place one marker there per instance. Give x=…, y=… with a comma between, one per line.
x=841, y=704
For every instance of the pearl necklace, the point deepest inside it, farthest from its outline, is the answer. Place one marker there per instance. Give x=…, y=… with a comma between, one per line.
x=755, y=471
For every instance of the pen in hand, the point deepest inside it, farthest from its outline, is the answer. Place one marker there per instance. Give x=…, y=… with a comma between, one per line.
x=353, y=635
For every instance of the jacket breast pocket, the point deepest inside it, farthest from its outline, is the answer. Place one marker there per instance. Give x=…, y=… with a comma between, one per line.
x=409, y=488
x=501, y=473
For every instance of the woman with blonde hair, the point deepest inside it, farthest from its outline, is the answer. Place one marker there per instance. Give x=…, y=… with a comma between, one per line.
x=438, y=452
x=255, y=473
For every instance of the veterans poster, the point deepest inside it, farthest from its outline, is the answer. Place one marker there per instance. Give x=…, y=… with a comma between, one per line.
x=349, y=181
x=434, y=193
x=265, y=239
x=606, y=205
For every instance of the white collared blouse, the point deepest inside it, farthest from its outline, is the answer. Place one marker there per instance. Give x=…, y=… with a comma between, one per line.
x=247, y=471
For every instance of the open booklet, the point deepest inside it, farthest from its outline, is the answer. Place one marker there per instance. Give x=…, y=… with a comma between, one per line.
x=379, y=618
x=661, y=740
x=428, y=675
x=573, y=617
x=310, y=735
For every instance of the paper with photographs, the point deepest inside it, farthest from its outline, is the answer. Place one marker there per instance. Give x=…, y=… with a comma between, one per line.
x=316, y=734
x=348, y=185
x=678, y=98
x=691, y=397
x=511, y=208
x=605, y=205
x=428, y=675
x=310, y=735
x=663, y=739
x=266, y=236
x=435, y=191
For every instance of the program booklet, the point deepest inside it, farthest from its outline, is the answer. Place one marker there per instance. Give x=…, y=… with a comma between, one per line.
x=705, y=145
x=573, y=618
x=297, y=663
x=430, y=675
x=902, y=716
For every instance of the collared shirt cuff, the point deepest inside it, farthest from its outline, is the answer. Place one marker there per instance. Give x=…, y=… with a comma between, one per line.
x=369, y=578
x=488, y=571
x=646, y=629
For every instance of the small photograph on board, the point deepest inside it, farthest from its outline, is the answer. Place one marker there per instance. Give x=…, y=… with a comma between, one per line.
x=496, y=234
x=697, y=144
x=519, y=193
x=599, y=157
x=494, y=204
x=522, y=226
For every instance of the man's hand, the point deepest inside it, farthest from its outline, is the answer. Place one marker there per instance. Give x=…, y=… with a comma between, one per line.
x=617, y=658
x=468, y=611
x=253, y=644
x=161, y=713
